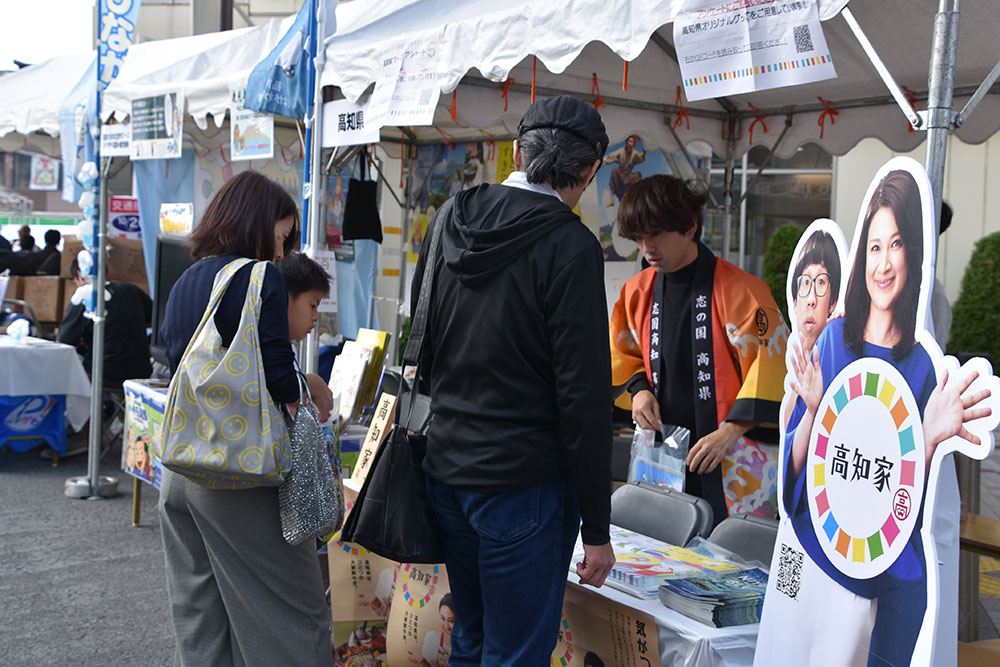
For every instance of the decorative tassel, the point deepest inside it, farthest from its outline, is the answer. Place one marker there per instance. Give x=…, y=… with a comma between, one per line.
x=625, y=78
x=454, y=114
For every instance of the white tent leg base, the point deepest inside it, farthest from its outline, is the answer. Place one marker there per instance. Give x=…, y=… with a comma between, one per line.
x=79, y=487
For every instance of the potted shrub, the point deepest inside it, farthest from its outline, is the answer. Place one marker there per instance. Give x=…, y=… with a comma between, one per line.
x=976, y=313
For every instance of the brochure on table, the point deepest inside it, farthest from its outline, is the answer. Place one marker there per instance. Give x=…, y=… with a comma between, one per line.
x=872, y=411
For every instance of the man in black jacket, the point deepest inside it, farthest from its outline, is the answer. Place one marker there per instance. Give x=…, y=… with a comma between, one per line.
x=517, y=361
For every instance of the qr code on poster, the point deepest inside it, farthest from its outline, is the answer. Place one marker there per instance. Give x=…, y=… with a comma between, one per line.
x=803, y=39
x=790, y=571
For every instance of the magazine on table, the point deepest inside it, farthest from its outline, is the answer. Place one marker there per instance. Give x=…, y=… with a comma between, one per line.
x=643, y=563
x=722, y=600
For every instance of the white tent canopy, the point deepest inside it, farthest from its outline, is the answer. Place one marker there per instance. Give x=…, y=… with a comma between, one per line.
x=30, y=99
x=579, y=38
x=203, y=66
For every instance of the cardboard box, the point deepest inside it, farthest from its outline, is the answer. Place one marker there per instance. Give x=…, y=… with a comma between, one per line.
x=71, y=246
x=44, y=295
x=126, y=261
x=15, y=289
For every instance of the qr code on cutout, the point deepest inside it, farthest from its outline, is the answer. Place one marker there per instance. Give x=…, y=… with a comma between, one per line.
x=790, y=571
x=803, y=39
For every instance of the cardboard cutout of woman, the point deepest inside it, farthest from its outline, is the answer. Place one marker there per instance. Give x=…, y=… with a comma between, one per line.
x=865, y=419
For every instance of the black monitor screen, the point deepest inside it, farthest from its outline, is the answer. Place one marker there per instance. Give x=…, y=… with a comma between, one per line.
x=173, y=256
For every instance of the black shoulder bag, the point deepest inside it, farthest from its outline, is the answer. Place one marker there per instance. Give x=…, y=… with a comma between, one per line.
x=361, y=218
x=392, y=515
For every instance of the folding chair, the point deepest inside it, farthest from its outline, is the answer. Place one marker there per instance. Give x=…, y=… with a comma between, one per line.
x=749, y=536
x=664, y=514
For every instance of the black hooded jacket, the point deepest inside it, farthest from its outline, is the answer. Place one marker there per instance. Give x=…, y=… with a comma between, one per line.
x=516, y=353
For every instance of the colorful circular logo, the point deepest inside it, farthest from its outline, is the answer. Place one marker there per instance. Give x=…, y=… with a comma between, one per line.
x=564, y=645
x=865, y=468
x=418, y=578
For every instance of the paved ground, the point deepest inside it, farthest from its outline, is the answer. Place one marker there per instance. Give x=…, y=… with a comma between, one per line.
x=79, y=585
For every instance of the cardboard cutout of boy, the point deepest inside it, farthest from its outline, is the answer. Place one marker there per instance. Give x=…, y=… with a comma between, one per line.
x=872, y=409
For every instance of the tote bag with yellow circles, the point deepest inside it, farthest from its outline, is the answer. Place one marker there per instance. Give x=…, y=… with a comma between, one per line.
x=221, y=427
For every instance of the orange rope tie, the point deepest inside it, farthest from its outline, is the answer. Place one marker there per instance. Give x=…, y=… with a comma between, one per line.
x=625, y=77
x=454, y=114
x=596, y=90
x=684, y=115
x=491, y=145
x=506, y=88
x=534, y=65
x=757, y=118
x=449, y=138
x=828, y=111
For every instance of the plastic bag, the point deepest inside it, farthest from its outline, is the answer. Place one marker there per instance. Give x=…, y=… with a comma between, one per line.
x=660, y=461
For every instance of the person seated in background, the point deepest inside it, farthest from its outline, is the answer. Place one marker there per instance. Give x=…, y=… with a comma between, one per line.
x=50, y=257
x=25, y=241
x=126, y=345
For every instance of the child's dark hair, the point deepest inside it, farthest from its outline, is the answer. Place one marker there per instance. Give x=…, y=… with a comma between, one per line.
x=302, y=275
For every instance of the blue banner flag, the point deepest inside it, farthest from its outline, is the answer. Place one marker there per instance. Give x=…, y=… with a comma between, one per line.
x=281, y=82
x=118, y=19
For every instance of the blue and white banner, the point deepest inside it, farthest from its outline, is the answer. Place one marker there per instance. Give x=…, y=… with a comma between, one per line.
x=118, y=19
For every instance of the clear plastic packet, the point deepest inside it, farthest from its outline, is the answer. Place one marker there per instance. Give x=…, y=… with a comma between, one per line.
x=659, y=458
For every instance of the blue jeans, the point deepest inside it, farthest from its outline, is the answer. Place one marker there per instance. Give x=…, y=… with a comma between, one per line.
x=507, y=556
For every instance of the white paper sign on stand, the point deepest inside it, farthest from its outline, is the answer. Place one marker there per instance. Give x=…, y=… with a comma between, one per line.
x=347, y=123
x=157, y=126
x=862, y=564
x=728, y=48
x=116, y=140
x=328, y=260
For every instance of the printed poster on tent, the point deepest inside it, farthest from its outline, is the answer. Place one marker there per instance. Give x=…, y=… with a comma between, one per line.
x=123, y=217
x=116, y=140
x=597, y=632
x=728, y=48
x=407, y=90
x=251, y=133
x=871, y=414
x=44, y=173
x=157, y=126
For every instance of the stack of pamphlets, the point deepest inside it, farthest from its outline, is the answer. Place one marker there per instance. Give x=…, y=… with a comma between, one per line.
x=642, y=563
x=732, y=598
x=347, y=379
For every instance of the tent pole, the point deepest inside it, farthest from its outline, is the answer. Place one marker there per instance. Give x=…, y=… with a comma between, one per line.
x=97, y=346
x=409, y=199
x=940, y=85
x=727, y=217
x=315, y=166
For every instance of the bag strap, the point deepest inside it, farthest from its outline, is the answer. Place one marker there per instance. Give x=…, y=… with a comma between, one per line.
x=418, y=327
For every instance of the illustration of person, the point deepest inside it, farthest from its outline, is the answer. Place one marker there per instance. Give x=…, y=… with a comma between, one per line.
x=815, y=287
x=627, y=158
x=238, y=141
x=881, y=302
x=380, y=600
x=436, y=648
x=474, y=168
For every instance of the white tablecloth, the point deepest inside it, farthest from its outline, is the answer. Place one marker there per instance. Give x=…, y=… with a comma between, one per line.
x=36, y=366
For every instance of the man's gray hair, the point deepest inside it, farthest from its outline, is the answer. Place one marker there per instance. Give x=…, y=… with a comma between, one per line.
x=556, y=157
